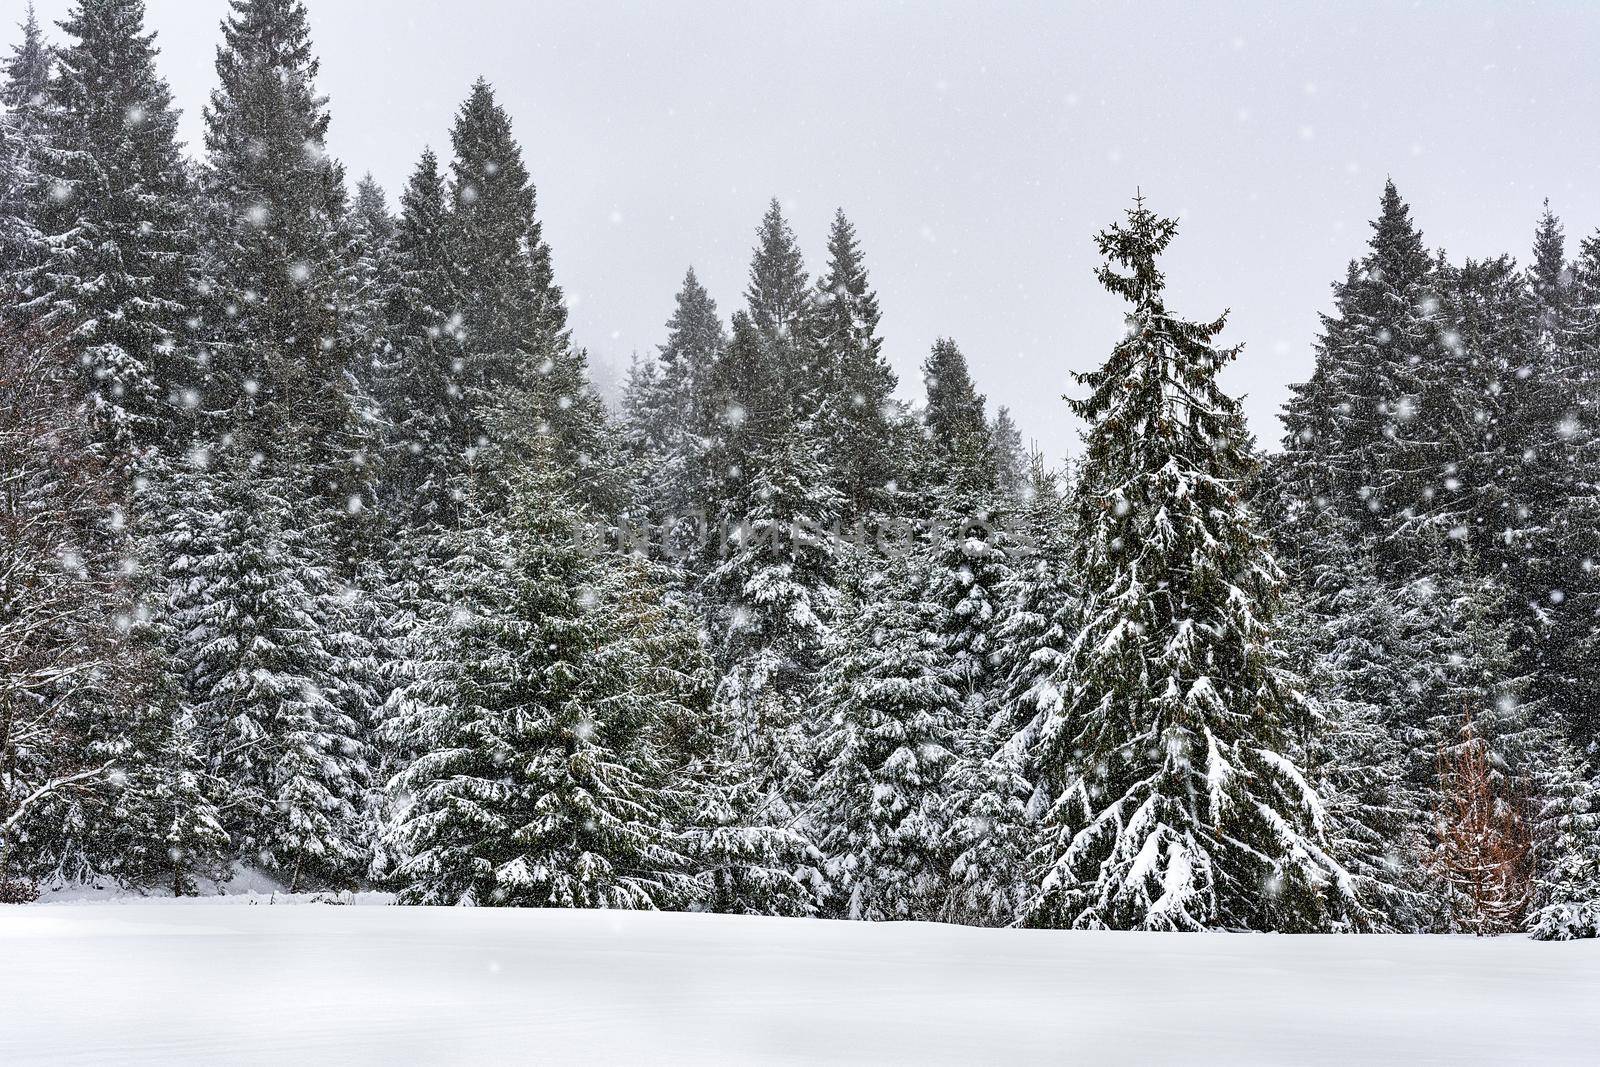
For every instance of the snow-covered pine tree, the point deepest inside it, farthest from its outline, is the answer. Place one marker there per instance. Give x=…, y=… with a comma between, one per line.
x=773, y=586
x=21, y=246
x=27, y=71
x=541, y=779
x=774, y=607
x=1357, y=644
x=892, y=712
x=954, y=416
x=1349, y=426
x=858, y=418
x=372, y=285
x=431, y=428
x=513, y=314
x=259, y=619
x=1510, y=479
x=118, y=220
x=671, y=423
x=778, y=293
x=1011, y=462
x=279, y=259
x=992, y=785
x=23, y=193
x=1173, y=805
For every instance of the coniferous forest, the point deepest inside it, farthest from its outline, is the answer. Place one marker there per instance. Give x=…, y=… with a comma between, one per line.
x=322, y=558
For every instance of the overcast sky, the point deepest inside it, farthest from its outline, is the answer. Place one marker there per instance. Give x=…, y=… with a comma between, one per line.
x=977, y=147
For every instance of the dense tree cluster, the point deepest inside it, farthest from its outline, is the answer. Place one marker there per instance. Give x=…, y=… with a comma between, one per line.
x=323, y=559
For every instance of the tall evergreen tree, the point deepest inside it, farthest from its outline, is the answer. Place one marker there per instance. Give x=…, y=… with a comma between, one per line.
x=1351, y=440
x=958, y=430
x=993, y=784
x=66, y=671
x=260, y=619
x=775, y=605
x=540, y=781
x=1173, y=804
x=431, y=429
x=119, y=226
x=858, y=415
x=279, y=258
x=373, y=282
x=778, y=294
x=893, y=712
x=23, y=192
x=671, y=422
x=1011, y=462
x=513, y=313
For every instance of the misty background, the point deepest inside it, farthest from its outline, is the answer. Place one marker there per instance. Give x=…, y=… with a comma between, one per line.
x=977, y=148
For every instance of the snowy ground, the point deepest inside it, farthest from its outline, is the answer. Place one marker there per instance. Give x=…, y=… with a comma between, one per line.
x=154, y=981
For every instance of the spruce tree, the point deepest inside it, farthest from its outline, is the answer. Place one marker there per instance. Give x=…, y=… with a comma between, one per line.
x=66, y=671
x=892, y=714
x=956, y=426
x=1351, y=442
x=27, y=71
x=373, y=282
x=540, y=780
x=858, y=414
x=279, y=267
x=1172, y=803
x=513, y=314
x=775, y=605
x=260, y=619
x=431, y=428
x=118, y=277
x=993, y=783
x=670, y=419
x=778, y=293
x=1011, y=462
x=23, y=191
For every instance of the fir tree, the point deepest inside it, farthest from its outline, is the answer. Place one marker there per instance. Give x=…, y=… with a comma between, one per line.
x=778, y=293
x=260, y=621
x=23, y=192
x=279, y=260
x=27, y=71
x=776, y=604
x=993, y=791
x=431, y=427
x=1011, y=462
x=513, y=313
x=671, y=422
x=119, y=226
x=1351, y=427
x=1173, y=804
x=857, y=421
x=893, y=712
x=957, y=429
x=373, y=283
x=539, y=783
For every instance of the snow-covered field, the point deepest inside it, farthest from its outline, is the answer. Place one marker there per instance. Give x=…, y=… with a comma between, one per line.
x=114, y=982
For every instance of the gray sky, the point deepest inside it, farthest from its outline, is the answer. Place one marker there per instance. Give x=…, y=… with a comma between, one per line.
x=977, y=148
